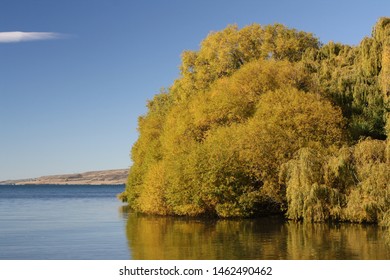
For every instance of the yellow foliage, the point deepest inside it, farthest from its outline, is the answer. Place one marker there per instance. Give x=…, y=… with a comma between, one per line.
x=370, y=199
x=385, y=72
x=234, y=99
x=258, y=122
x=307, y=195
x=285, y=121
x=368, y=152
x=223, y=52
x=388, y=151
x=152, y=197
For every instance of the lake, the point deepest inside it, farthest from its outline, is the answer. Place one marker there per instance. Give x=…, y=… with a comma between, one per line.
x=88, y=222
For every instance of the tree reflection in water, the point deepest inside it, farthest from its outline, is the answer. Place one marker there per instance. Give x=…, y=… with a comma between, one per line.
x=164, y=238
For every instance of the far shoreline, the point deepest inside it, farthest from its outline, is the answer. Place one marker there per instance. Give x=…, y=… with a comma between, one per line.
x=55, y=184
x=104, y=177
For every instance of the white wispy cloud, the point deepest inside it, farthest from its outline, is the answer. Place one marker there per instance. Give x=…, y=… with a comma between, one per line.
x=19, y=36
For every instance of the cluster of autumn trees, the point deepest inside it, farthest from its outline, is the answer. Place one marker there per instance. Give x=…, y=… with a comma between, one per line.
x=266, y=119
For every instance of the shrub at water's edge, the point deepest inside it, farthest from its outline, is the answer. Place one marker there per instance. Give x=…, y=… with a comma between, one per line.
x=266, y=119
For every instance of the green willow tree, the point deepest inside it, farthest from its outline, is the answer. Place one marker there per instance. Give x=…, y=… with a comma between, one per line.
x=357, y=80
x=266, y=119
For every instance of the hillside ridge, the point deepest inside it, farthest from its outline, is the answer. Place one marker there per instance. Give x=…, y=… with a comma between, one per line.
x=104, y=177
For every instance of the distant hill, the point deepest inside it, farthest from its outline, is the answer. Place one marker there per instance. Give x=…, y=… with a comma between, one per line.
x=106, y=177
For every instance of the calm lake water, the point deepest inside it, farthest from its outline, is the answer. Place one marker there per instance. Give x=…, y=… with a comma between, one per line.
x=88, y=222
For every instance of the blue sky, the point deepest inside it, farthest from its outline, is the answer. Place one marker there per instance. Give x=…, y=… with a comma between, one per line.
x=71, y=95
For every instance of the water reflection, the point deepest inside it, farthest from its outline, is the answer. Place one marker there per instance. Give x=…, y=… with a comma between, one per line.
x=151, y=237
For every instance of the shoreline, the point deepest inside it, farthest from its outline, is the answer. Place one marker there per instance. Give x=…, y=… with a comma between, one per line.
x=104, y=177
x=55, y=184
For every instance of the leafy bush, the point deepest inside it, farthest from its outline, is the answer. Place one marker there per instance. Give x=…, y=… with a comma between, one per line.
x=265, y=119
